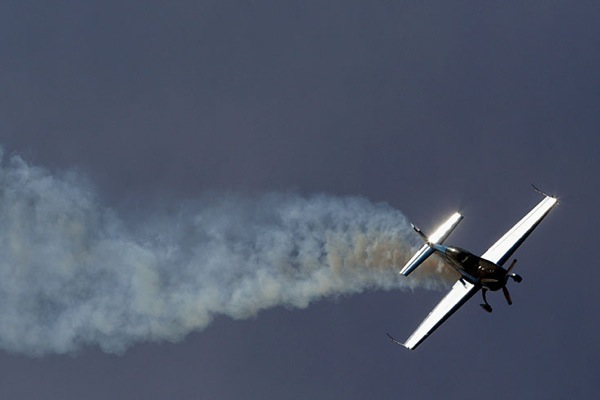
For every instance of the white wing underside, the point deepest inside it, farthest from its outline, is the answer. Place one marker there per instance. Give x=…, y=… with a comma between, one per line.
x=463, y=290
x=501, y=251
x=456, y=297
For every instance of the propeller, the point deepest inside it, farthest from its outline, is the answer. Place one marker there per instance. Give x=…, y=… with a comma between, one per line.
x=506, y=295
x=496, y=283
x=512, y=265
x=514, y=276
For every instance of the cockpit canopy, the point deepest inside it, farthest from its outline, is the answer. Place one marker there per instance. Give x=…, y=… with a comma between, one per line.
x=463, y=257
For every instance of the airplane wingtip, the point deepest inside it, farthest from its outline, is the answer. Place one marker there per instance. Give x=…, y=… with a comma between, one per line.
x=395, y=341
x=542, y=192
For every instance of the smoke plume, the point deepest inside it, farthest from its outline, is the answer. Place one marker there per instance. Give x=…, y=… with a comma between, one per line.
x=73, y=274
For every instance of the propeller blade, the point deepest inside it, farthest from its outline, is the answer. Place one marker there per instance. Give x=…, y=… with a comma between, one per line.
x=489, y=280
x=512, y=265
x=507, y=295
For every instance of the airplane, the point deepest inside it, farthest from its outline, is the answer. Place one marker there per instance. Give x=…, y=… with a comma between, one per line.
x=485, y=273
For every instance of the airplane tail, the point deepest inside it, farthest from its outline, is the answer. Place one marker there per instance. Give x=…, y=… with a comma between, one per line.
x=438, y=237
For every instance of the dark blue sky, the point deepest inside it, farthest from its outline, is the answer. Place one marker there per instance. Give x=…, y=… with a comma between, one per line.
x=430, y=107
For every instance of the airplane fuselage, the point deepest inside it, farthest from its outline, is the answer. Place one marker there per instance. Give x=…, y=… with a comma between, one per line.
x=473, y=268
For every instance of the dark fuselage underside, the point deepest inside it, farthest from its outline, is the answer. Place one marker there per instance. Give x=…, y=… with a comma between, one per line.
x=474, y=268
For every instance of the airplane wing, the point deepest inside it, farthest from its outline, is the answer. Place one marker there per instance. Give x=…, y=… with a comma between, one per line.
x=501, y=251
x=458, y=295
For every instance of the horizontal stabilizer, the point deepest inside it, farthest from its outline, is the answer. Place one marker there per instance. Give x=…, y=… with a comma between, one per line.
x=420, y=256
x=445, y=229
x=438, y=237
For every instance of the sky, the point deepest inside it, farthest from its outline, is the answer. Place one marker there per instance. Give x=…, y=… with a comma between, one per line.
x=131, y=113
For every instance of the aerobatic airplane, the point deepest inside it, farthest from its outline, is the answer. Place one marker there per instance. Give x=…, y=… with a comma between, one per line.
x=477, y=273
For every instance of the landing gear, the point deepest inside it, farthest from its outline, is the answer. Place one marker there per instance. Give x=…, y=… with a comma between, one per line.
x=485, y=304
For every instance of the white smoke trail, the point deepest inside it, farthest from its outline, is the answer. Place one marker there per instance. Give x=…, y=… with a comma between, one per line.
x=71, y=273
